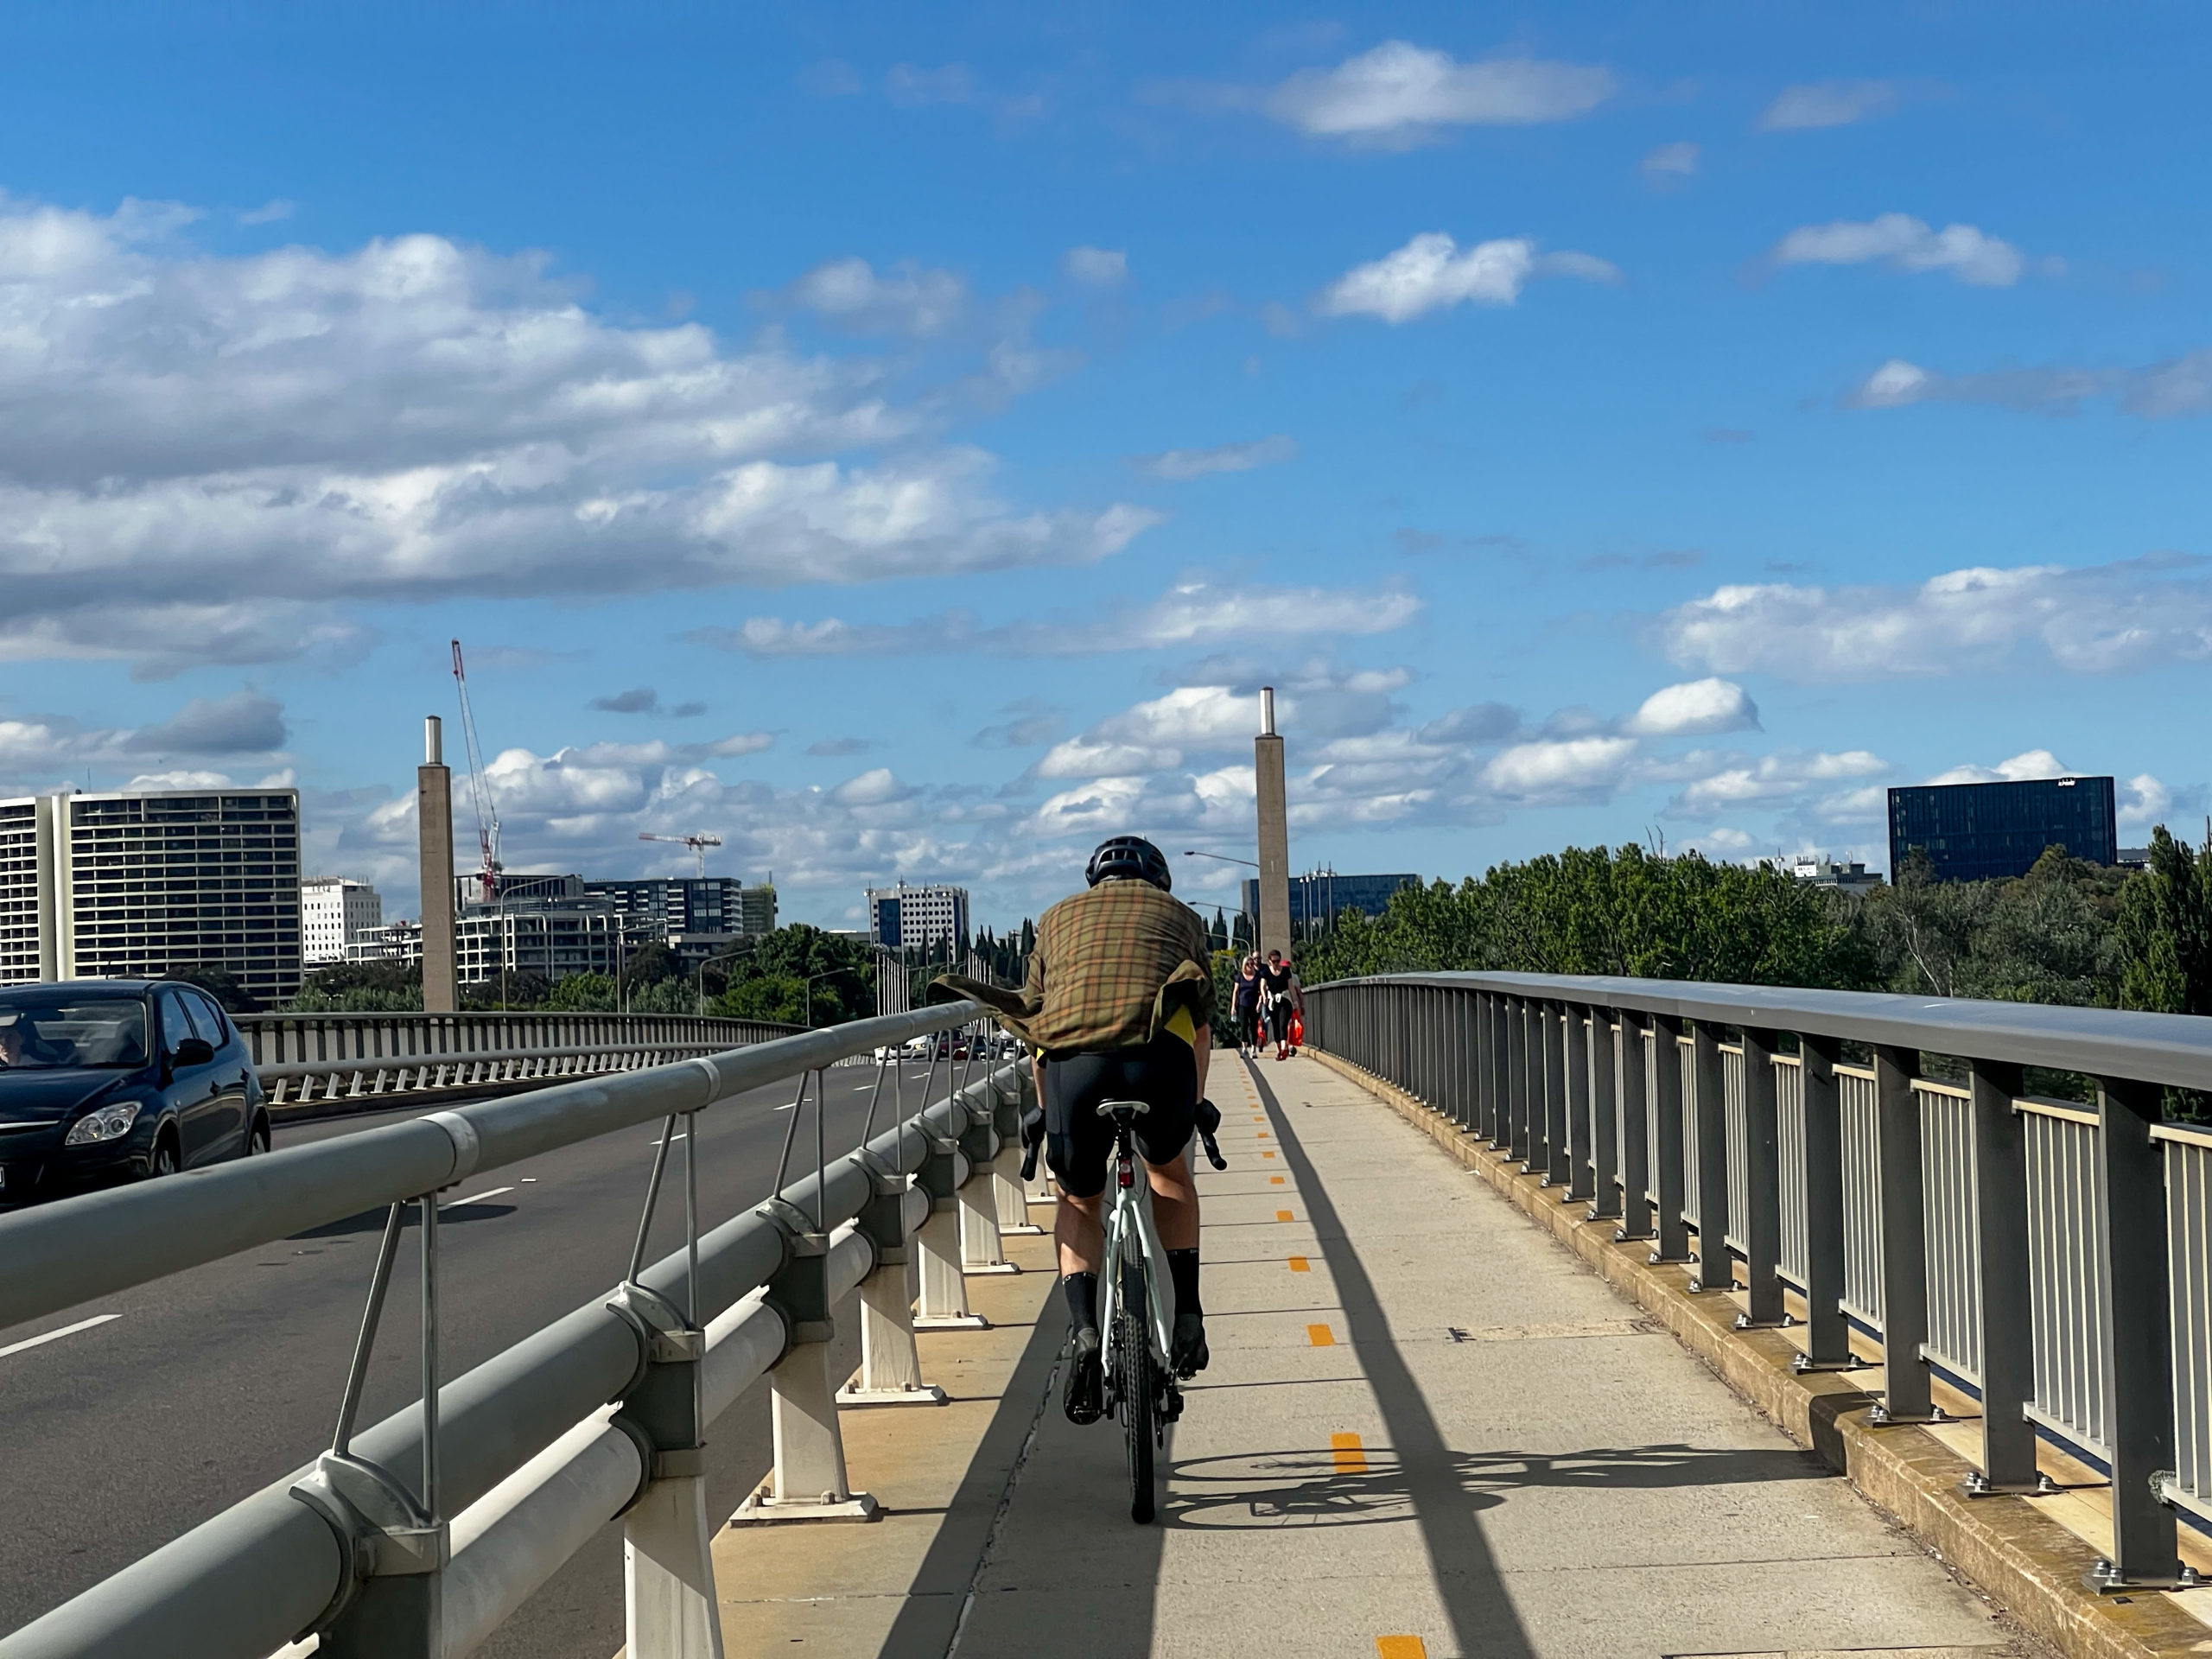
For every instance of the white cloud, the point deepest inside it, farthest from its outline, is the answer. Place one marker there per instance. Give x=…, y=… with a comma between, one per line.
x=1430, y=273
x=2098, y=620
x=1097, y=267
x=1192, y=612
x=1904, y=243
x=414, y=418
x=1561, y=771
x=906, y=299
x=1669, y=163
x=2144, y=801
x=2178, y=386
x=182, y=779
x=1695, y=708
x=1736, y=783
x=1829, y=104
x=1183, y=464
x=270, y=212
x=1398, y=90
x=2036, y=763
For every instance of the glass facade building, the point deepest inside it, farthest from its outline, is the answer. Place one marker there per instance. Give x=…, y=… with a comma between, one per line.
x=1980, y=832
x=1317, y=900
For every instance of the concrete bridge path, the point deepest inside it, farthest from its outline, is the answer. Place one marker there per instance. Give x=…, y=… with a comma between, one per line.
x=1428, y=1431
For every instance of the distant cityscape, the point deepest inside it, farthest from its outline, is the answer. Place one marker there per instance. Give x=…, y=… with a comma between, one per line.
x=111, y=884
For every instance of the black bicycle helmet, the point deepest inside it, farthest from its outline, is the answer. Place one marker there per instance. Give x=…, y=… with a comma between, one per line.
x=1129, y=858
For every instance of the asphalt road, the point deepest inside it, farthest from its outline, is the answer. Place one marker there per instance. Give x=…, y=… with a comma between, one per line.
x=196, y=1391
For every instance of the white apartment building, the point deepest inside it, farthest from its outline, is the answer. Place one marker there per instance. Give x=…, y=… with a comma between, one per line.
x=336, y=912
x=113, y=886
x=904, y=918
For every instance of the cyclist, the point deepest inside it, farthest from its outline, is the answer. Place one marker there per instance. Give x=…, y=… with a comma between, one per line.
x=1119, y=1005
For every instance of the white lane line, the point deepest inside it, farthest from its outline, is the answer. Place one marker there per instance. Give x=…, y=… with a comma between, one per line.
x=477, y=1198
x=678, y=1136
x=56, y=1336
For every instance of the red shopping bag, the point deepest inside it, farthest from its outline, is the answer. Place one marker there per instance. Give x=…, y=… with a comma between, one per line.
x=1297, y=1029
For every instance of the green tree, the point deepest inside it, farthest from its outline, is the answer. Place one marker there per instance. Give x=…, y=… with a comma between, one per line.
x=2164, y=930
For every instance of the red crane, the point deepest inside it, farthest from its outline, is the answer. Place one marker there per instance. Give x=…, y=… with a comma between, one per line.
x=479, y=789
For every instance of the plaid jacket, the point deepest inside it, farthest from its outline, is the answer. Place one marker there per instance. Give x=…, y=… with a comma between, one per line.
x=1111, y=968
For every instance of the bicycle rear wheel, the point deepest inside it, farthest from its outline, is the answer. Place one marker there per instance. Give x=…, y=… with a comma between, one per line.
x=1134, y=1384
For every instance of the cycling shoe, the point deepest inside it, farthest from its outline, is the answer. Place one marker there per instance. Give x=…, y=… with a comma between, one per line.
x=1085, y=1399
x=1189, y=1354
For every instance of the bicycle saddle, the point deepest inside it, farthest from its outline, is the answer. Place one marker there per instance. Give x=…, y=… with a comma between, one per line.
x=1124, y=1110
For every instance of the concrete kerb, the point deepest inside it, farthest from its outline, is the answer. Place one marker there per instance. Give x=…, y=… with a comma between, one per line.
x=2025, y=1562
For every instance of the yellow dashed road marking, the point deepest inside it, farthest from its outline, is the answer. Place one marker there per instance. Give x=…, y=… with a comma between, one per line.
x=1275, y=1181
x=1298, y=1264
x=1351, y=1456
x=1267, y=1154
x=1320, y=1336
x=1400, y=1647
x=1282, y=1215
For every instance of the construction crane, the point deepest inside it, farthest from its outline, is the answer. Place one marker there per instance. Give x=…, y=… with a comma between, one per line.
x=698, y=843
x=479, y=789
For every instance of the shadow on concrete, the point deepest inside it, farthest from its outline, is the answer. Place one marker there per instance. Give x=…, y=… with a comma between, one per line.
x=1308, y=1485
x=1429, y=1477
x=372, y=1220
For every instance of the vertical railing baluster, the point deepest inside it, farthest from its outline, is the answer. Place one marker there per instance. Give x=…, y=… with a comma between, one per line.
x=1526, y=1055
x=2138, y=1336
x=1828, y=1332
x=1907, y=1396
x=2008, y=1354
x=1670, y=1157
x=1762, y=1227
x=1553, y=1075
x=1574, y=1055
x=1630, y=1070
x=1605, y=1123
x=1715, y=1270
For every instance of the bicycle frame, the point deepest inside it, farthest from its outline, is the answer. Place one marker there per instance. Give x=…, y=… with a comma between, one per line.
x=1131, y=1218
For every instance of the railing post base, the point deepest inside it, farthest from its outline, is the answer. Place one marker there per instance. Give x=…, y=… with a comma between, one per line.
x=668, y=1574
x=809, y=1482
x=891, y=1366
x=1974, y=1486
x=945, y=1289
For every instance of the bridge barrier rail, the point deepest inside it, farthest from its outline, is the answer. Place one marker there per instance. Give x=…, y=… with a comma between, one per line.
x=306, y=1059
x=418, y=1535
x=2054, y=1261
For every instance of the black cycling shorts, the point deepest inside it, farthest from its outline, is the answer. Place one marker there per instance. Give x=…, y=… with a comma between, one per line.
x=1164, y=1074
x=1279, y=1012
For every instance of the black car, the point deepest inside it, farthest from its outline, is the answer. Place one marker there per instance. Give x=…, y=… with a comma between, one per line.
x=107, y=1080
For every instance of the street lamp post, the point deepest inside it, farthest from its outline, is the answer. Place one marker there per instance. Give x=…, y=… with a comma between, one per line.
x=827, y=973
x=1223, y=858
x=706, y=963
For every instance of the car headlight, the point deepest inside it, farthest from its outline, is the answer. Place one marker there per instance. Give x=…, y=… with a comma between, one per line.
x=108, y=1123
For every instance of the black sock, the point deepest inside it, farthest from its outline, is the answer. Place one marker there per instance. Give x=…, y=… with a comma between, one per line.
x=1083, y=1300
x=1183, y=1268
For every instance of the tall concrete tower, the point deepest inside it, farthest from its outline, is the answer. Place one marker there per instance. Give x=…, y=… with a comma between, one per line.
x=434, y=825
x=1275, y=831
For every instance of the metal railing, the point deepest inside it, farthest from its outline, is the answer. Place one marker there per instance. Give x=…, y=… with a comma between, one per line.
x=309, y=1059
x=2048, y=1259
x=417, y=1536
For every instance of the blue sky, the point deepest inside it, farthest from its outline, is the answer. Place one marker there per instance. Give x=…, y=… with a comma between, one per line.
x=902, y=442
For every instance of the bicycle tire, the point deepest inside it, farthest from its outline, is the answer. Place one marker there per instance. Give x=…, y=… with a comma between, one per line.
x=1135, y=1388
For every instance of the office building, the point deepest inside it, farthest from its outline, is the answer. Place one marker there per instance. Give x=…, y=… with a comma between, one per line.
x=1825, y=871
x=715, y=906
x=334, y=911
x=399, y=942
x=911, y=918
x=1980, y=832
x=1318, y=899
x=551, y=940
x=113, y=886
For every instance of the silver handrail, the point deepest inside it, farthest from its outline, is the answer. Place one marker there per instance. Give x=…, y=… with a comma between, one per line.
x=248, y=1582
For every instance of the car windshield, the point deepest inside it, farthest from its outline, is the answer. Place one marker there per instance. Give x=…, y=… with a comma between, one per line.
x=96, y=1031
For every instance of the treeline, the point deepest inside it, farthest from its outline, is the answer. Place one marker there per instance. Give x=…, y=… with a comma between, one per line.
x=2067, y=932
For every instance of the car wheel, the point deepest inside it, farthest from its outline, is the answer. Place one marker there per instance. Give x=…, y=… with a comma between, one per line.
x=257, y=1138
x=165, y=1159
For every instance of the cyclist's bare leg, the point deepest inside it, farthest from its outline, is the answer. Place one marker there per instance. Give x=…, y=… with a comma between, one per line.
x=1078, y=1231
x=1175, y=1203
